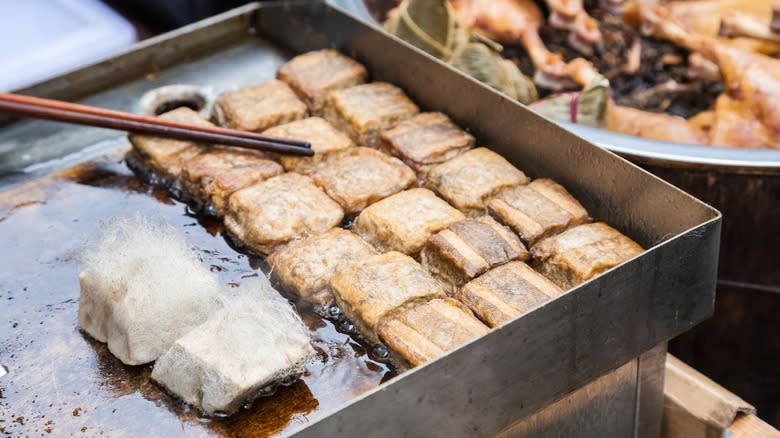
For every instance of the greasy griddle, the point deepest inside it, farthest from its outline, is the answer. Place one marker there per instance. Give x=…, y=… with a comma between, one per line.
x=60, y=379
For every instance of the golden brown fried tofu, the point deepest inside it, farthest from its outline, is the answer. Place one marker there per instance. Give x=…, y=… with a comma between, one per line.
x=314, y=75
x=326, y=141
x=304, y=267
x=375, y=288
x=258, y=108
x=468, y=248
x=424, y=332
x=213, y=176
x=166, y=156
x=581, y=253
x=425, y=140
x=363, y=176
x=506, y=292
x=365, y=110
x=469, y=181
x=537, y=210
x=290, y=206
x=404, y=222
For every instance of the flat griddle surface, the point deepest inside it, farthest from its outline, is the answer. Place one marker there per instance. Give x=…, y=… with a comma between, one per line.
x=62, y=382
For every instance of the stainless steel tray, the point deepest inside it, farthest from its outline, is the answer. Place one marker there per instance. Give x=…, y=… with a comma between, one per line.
x=487, y=385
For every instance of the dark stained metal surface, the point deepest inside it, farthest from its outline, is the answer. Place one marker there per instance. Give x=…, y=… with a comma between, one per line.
x=477, y=390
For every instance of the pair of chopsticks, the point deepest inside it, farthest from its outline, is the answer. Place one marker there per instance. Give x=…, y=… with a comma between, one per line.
x=60, y=111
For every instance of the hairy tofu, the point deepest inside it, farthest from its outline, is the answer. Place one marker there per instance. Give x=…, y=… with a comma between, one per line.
x=380, y=286
x=326, y=141
x=363, y=176
x=581, y=253
x=166, y=156
x=363, y=111
x=506, y=292
x=305, y=267
x=258, y=108
x=314, y=75
x=538, y=210
x=213, y=176
x=468, y=248
x=469, y=181
x=424, y=332
x=425, y=140
x=283, y=208
x=404, y=222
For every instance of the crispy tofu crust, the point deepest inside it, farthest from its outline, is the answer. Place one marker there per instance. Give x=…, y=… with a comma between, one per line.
x=305, y=267
x=404, y=222
x=364, y=110
x=166, y=156
x=469, y=181
x=363, y=176
x=314, y=75
x=581, y=253
x=258, y=108
x=290, y=206
x=425, y=140
x=213, y=176
x=326, y=141
x=506, y=292
x=425, y=331
x=378, y=287
x=538, y=210
x=468, y=248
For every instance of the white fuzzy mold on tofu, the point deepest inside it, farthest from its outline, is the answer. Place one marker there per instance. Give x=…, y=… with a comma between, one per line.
x=142, y=288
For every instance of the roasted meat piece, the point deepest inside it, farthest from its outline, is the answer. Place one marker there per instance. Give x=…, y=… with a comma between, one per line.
x=581, y=253
x=537, y=210
x=404, y=221
x=468, y=248
x=378, y=287
x=423, y=332
x=469, y=181
x=304, y=267
x=326, y=141
x=286, y=207
x=506, y=292
x=258, y=108
x=166, y=156
x=365, y=110
x=425, y=140
x=213, y=176
x=363, y=176
x=314, y=75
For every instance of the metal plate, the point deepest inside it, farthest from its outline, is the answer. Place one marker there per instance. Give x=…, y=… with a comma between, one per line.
x=484, y=387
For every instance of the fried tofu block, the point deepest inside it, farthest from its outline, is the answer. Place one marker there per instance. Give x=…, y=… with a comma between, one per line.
x=326, y=141
x=380, y=286
x=506, y=292
x=469, y=181
x=404, y=222
x=305, y=267
x=166, y=156
x=468, y=248
x=581, y=253
x=363, y=176
x=142, y=288
x=213, y=176
x=425, y=140
x=314, y=75
x=255, y=341
x=423, y=332
x=538, y=210
x=258, y=108
x=283, y=208
x=363, y=111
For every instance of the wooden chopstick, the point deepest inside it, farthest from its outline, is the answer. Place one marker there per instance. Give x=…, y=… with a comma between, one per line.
x=55, y=110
